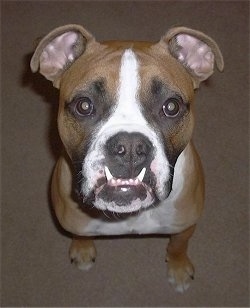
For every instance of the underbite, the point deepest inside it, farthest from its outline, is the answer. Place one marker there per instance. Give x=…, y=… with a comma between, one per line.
x=112, y=181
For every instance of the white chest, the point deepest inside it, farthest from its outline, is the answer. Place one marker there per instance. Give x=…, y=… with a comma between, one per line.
x=152, y=221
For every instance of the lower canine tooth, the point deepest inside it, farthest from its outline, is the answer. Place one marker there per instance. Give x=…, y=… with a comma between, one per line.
x=141, y=175
x=109, y=176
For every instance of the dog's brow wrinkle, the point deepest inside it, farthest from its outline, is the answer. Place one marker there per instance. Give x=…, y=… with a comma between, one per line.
x=156, y=86
x=99, y=85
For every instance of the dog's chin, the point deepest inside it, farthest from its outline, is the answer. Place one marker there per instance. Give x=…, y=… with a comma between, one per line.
x=123, y=198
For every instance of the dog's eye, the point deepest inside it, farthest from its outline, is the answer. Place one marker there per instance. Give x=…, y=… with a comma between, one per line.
x=84, y=106
x=171, y=107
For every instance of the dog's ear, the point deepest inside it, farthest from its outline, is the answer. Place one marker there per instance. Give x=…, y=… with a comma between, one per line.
x=58, y=50
x=196, y=51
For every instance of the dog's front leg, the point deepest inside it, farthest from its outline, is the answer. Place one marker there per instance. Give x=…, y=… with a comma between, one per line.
x=180, y=268
x=82, y=252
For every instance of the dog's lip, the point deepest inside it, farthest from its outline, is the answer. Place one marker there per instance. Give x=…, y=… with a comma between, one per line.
x=112, y=181
x=120, y=185
x=123, y=195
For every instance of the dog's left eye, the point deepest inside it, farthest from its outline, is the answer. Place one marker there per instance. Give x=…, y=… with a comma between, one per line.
x=171, y=107
x=84, y=106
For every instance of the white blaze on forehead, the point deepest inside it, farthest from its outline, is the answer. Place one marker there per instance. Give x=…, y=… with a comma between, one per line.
x=129, y=85
x=127, y=113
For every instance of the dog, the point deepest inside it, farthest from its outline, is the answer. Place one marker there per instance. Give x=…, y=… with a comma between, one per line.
x=126, y=120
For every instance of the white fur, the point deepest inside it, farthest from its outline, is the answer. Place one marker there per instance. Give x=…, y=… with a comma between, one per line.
x=127, y=116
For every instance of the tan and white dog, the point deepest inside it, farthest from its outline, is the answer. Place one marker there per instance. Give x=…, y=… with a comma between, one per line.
x=126, y=121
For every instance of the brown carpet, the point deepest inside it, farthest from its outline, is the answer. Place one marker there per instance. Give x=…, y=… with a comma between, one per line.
x=128, y=272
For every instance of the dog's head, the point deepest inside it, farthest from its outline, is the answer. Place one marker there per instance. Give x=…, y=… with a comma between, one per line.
x=126, y=110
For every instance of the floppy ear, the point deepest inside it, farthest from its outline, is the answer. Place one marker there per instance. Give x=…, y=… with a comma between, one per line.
x=58, y=50
x=196, y=51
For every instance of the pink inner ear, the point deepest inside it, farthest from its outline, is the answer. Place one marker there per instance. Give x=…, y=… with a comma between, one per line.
x=57, y=54
x=196, y=55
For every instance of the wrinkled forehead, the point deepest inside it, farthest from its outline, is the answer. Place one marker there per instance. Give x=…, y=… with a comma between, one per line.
x=123, y=66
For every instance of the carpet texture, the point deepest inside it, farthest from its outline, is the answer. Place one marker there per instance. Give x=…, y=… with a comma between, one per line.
x=129, y=271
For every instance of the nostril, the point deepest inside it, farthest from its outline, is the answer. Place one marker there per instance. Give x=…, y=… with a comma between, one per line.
x=121, y=150
x=141, y=149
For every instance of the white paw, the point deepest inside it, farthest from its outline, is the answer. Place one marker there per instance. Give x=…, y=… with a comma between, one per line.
x=83, y=254
x=180, y=274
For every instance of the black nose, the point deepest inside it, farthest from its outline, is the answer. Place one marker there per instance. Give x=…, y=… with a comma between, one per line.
x=130, y=150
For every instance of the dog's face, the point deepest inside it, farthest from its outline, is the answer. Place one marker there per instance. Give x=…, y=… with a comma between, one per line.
x=124, y=124
x=125, y=114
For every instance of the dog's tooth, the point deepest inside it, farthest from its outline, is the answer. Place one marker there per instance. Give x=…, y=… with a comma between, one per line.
x=141, y=175
x=136, y=181
x=113, y=181
x=118, y=181
x=109, y=176
x=131, y=181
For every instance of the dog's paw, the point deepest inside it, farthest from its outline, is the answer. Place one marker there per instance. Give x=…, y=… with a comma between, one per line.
x=82, y=253
x=180, y=273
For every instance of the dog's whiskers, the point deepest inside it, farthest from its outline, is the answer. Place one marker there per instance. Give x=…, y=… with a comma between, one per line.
x=105, y=214
x=116, y=215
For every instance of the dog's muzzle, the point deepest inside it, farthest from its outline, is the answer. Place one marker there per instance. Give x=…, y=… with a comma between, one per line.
x=128, y=184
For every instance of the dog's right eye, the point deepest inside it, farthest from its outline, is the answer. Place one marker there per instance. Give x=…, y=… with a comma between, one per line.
x=171, y=107
x=83, y=106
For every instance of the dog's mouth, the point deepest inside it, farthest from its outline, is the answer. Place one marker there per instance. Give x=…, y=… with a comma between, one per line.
x=124, y=195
